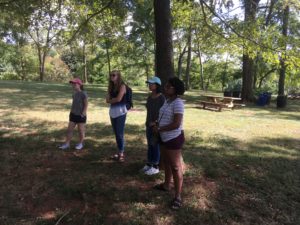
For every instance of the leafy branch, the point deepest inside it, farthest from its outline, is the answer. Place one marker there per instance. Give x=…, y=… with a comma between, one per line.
x=91, y=16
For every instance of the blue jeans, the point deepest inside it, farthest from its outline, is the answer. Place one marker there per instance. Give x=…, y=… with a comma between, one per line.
x=118, y=125
x=153, y=147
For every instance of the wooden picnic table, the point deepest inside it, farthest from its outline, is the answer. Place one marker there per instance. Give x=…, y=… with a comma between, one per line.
x=220, y=102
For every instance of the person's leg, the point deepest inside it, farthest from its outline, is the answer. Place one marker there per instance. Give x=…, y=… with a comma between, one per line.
x=119, y=132
x=149, y=145
x=167, y=167
x=174, y=157
x=70, y=129
x=113, y=124
x=81, y=132
x=148, y=138
x=155, y=154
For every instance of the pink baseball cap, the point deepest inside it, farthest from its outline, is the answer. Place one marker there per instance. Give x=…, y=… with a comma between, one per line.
x=76, y=81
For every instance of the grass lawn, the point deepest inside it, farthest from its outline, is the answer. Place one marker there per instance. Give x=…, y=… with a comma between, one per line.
x=243, y=166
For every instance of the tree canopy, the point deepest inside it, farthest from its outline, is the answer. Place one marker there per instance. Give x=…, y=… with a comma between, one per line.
x=208, y=44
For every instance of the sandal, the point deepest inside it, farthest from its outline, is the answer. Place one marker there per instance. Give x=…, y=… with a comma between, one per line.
x=176, y=204
x=115, y=157
x=121, y=158
x=161, y=187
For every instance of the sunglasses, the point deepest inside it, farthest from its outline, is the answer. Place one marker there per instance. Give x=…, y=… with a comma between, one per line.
x=113, y=75
x=167, y=86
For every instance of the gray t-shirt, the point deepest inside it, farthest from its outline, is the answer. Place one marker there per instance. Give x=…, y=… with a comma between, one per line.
x=153, y=105
x=78, y=102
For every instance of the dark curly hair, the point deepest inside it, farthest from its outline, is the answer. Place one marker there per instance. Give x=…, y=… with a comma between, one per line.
x=177, y=84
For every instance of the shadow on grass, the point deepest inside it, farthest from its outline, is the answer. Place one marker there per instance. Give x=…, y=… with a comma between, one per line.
x=224, y=185
x=228, y=181
x=262, y=180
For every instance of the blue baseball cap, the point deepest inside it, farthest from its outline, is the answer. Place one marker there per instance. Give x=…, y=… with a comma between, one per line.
x=154, y=80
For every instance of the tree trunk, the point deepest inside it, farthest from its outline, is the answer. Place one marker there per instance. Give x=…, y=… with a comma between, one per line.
x=285, y=21
x=147, y=70
x=85, y=74
x=42, y=57
x=225, y=73
x=281, y=98
x=255, y=71
x=247, y=87
x=188, y=62
x=108, y=58
x=248, y=63
x=23, y=68
x=42, y=74
x=163, y=38
x=199, y=53
x=179, y=71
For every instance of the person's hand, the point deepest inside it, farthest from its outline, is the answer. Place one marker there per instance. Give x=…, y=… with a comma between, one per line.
x=152, y=124
x=155, y=129
x=108, y=98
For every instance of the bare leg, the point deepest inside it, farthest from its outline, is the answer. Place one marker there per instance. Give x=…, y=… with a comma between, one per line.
x=70, y=129
x=81, y=131
x=174, y=157
x=167, y=167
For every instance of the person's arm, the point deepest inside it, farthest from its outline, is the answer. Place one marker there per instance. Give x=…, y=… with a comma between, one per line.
x=177, y=120
x=85, y=106
x=108, y=97
x=119, y=97
x=172, y=126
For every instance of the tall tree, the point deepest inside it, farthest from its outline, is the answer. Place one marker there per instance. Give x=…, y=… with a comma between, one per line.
x=188, y=62
x=45, y=25
x=251, y=7
x=285, y=23
x=163, y=37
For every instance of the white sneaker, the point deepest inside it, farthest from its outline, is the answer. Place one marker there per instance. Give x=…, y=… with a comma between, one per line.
x=152, y=171
x=145, y=168
x=64, y=146
x=79, y=146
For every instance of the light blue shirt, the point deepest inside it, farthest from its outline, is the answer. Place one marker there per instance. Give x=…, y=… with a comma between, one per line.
x=117, y=110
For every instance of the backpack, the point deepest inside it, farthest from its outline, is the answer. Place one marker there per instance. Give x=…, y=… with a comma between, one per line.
x=128, y=98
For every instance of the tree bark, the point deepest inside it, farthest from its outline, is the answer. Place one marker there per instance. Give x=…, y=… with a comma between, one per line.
x=248, y=63
x=85, y=74
x=108, y=57
x=225, y=73
x=285, y=23
x=199, y=53
x=163, y=38
x=179, y=64
x=188, y=62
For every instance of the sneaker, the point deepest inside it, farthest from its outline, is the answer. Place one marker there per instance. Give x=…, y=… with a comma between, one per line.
x=64, y=146
x=79, y=146
x=145, y=168
x=152, y=171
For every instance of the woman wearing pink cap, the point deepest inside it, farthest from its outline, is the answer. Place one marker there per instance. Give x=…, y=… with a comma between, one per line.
x=77, y=114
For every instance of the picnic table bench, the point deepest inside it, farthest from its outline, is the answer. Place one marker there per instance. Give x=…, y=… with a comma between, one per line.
x=220, y=102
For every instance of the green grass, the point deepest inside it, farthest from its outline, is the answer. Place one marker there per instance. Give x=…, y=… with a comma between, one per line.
x=243, y=165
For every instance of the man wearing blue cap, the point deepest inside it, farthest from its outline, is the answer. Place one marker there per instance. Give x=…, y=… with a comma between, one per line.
x=155, y=101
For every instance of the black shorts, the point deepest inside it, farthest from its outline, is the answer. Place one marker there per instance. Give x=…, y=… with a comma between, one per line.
x=175, y=143
x=76, y=118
